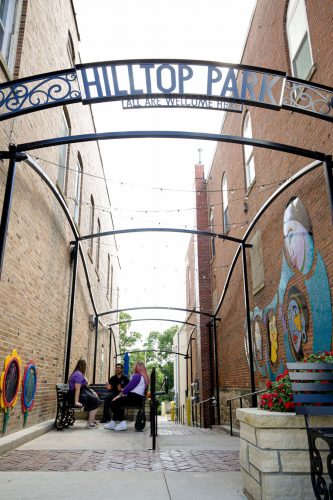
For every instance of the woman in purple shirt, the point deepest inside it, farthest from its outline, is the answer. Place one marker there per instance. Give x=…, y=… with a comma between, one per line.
x=81, y=395
x=132, y=395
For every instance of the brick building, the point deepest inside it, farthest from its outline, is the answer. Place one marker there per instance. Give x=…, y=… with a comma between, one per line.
x=290, y=264
x=36, y=277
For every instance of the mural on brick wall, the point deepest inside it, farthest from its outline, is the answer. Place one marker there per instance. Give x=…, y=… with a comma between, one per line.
x=294, y=307
x=29, y=387
x=10, y=383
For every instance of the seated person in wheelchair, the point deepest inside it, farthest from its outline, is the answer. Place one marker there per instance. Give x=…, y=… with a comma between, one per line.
x=132, y=395
x=81, y=395
x=115, y=386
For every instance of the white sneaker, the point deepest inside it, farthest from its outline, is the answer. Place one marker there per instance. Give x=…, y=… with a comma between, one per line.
x=121, y=426
x=110, y=425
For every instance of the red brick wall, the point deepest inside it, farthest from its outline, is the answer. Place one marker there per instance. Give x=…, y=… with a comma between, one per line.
x=266, y=47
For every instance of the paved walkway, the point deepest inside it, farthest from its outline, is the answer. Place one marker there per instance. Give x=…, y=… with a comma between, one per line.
x=80, y=463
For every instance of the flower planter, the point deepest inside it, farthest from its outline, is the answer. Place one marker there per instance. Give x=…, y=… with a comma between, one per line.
x=274, y=456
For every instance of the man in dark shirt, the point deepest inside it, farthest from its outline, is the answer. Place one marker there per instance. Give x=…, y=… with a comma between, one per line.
x=115, y=386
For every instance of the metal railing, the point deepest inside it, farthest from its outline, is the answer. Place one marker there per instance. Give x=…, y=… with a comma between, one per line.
x=229, y=403
x=153, y=404
x=212, y=402
x=180, y=414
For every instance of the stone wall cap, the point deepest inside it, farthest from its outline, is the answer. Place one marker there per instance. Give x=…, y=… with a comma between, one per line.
x=273, y=419
x=269, y=419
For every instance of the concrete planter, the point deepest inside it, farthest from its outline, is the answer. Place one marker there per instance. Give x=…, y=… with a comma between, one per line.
x=274, y=456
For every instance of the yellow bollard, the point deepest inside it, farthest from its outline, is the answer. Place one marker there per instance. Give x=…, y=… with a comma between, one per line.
x=172, y=406
x=188, y=411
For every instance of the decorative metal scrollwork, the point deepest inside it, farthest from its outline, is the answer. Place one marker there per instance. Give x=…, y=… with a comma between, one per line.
x=308, y=98
x=322, y=489
x=20, y=97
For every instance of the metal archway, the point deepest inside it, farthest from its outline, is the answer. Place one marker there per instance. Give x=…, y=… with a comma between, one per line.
x=18, y=100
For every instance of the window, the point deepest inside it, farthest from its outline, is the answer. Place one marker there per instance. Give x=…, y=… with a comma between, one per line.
x=299, y=39
x=225, y=204
x=91, y=225
x=98, y=246
x=63, y=151
x=211, y=228
x=250, y=173
x=77, y=191
x=8, y=13
x=109, y=280
x=70, y=49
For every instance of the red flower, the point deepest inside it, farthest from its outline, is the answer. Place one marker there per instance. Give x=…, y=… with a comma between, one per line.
x=270, y=404
x=269, y=384
x=289, y=404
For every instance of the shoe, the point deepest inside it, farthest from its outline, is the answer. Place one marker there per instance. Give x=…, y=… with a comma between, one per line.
x=121, y=426
x=110, y=426
x=92, y=426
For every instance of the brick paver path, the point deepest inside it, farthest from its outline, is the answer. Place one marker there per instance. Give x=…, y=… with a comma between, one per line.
x=125, y=460
x=87, y=460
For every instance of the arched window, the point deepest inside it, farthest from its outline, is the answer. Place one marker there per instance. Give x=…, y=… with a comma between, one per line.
x=250, y=173
x=91, y=224
x=98, y=245
x=211, y=229
x=77, y=190
x=65, y=130
x=299, y=39
x=225, y=204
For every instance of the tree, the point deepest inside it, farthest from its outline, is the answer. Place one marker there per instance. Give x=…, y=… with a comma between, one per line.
x=163, y=361
x=127, y=338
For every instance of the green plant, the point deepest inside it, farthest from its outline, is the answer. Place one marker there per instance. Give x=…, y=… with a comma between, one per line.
x=279, y=395
x=324, y=357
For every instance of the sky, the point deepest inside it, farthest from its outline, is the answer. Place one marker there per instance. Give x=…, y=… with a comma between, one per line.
x=151, y=180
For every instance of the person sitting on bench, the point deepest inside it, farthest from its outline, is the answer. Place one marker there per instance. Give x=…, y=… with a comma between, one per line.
x=80, y=394
x=131, y=396
x=115, y=386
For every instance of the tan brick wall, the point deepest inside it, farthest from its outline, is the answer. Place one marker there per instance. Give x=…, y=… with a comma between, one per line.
x=35, y=283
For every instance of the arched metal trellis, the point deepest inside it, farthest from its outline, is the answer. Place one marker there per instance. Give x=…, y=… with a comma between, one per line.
x=99, y=81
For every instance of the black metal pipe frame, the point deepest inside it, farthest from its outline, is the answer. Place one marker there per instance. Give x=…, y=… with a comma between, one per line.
x=14, y=157
x=166, y=134
x=74, y=258
x=154, y=350
x=188, y=135
x=156, y=307
x=248, y=326
x=216, y=373
x=95, y=350
x=329, y=182
x=151, y=319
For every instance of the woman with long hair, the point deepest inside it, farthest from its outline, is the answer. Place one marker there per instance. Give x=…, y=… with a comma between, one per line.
x=82, y=395
x=132, y=395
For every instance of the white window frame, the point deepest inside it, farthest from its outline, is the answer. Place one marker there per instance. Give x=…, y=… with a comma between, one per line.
x=63, y=152
x=225, y=204
x=91, y=225
x=211, y=228
x=77, y=191
x=249, y=165
x=297, y=33
x=9, y=28
x=98, y=245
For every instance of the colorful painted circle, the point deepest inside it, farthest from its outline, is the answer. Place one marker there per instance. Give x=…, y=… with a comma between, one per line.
x=29, y=385
x=11, y=382
x=298, y=240
x=297, y=321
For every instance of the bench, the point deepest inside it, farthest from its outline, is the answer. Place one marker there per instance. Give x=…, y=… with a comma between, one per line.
x=65, y=410
x=312, y=386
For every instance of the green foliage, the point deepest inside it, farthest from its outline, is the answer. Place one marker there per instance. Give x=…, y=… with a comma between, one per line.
x=153, y=358
x=127, y=338
x=162, y=361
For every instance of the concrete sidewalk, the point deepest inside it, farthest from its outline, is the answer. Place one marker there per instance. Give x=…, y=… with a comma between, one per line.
x=80, y=463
